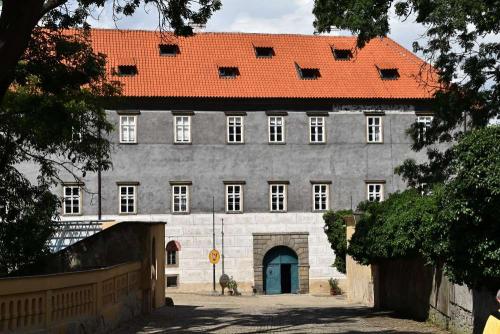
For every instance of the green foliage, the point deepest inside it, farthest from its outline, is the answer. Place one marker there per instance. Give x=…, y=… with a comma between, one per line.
x=462, y=48
x=467, y=236
x=392, y=229
x=335, y=229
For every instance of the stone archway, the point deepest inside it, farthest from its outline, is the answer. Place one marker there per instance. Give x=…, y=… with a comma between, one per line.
x=297, y=241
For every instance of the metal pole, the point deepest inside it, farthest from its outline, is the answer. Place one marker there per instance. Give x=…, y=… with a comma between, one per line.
x=222, y=246
x=213, y=239
x=99, y=196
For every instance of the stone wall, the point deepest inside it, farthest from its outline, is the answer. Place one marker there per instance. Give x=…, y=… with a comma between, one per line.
x=297, y=241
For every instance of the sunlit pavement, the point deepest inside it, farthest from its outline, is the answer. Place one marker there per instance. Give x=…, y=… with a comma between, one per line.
x=197, y=313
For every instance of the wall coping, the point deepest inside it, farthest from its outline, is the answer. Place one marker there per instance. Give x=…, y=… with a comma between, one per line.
x=279, y=233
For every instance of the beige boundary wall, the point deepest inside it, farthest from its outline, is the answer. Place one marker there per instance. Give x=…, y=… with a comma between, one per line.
x=360, y=279
x=87, y=301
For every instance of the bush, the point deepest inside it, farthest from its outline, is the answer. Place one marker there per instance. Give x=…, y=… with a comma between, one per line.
x=392, y=229
x=335, y=229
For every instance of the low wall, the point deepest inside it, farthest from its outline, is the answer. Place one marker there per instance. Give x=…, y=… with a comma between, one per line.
x=92, y=301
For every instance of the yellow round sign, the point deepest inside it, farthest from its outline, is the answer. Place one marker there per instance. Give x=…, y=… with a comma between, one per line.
x=214, y=256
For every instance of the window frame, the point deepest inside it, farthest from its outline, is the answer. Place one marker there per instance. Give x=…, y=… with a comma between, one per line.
x=176, y=138
x=226, y=197
x=120, y=186
x=80, y=200
x=327, y=193
x=175, y=264
x=380, y=126
x=188, y=198
x=122, y=141
x=382, y=189
x=176, y=281
x=242, y=127
x=285, y=197
x=323, y=126
x=283, y=129
x=423, y=125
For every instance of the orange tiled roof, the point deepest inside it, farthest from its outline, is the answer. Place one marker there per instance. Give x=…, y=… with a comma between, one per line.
x=194, y=71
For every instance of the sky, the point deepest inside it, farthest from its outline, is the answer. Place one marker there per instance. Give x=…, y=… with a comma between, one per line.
x=257, y=16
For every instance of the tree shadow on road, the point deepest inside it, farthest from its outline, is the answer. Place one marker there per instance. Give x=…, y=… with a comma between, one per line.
x=197, y=319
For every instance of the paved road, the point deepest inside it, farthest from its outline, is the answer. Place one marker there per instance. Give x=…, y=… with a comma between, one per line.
x=270, y=314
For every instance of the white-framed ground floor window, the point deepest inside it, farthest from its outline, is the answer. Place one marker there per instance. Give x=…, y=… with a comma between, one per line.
x=278, y=196
x=127, y=198
x=320, y=196
x=72, y=199
x=234, y=196
x=375, y=191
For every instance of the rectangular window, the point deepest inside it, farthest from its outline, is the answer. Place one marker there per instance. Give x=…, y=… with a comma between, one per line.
x=171, y=258
x=234, y=198
x=374, y=129
x=277, y=197
x=375, y=192
x=320, y=197
x=128, y=199
x=317, y=129
x=182, y=129
x=276, y=129
x=180, y=198
x=424, y=122
x=128, y=132
x=72, y=200
x=235, y=129
x=172, y=281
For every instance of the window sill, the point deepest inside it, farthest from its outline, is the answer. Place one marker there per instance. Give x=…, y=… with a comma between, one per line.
x=127, y=213
x=282, y=211
x=375, y=142
x=230, y=143
x=183, y=143
x=234, y=212
x=72, y=214
x=276, y=143
x=181, y=213
x=171, y=266
x=317, y=143
x=123, y=143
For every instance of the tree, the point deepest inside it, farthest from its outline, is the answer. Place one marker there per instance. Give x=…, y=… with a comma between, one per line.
x=464, y=49
x=392, y=229
x=465, y=235
x=52, y=85
x=18, y=19
x=335, y=229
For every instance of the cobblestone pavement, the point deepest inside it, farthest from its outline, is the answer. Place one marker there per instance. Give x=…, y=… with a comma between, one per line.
x=270, y=314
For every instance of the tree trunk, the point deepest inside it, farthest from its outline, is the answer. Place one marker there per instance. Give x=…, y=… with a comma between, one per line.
x=17, y=21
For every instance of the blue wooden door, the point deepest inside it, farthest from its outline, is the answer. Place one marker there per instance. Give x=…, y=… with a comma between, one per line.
x=273, y=262
x=273, y=279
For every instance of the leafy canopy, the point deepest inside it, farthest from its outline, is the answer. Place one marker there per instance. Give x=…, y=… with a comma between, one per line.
x=464, y=49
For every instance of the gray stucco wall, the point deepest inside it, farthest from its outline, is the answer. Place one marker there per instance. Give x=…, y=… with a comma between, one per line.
x=346, y=160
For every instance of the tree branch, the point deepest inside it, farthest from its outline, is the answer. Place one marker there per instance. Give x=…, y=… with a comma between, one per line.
x=51, y=4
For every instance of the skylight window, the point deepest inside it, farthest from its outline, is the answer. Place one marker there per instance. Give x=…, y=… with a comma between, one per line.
x=169, y=49
x=264, y=52
x=228, y=72
x=127, y=70
x=389, y=73
x=342, y=54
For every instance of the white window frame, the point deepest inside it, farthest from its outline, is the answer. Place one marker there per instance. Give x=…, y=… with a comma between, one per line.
x=134, y=198
x=175, y=258
x=371, y=192
x=275, y=126
x=187, y=197
x=72, y=198
x=182, y=140
x=379, y=126
x=125, y=126
x=231, y=198
x=241, y=126
x=313, y=123
x=272, y=195
x=424, y=122
x=319, y=195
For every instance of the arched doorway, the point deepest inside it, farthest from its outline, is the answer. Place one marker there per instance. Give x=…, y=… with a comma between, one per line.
x=281, y=274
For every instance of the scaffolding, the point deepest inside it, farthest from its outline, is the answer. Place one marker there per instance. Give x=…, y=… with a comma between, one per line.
x=69, y=232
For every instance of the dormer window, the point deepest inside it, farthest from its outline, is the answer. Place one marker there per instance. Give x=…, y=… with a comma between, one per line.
x=169, y=49
x=264, y=52
x=342, y=54
x=126, y=70
x=389, y=73
x=308, y=72
x=228, y=72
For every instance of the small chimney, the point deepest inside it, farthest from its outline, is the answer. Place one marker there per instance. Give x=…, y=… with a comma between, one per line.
x=197, y=27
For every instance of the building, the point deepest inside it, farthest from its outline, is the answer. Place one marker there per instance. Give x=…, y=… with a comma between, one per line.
x=268, y=130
